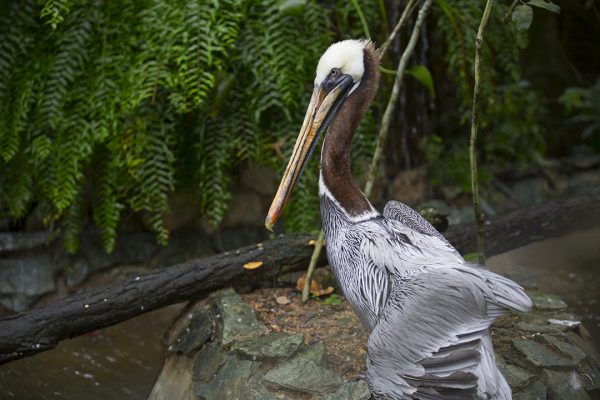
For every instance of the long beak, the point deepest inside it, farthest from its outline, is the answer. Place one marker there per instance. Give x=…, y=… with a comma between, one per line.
x=322, y=109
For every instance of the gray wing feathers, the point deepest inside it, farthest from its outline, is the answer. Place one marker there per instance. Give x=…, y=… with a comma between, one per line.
x=507, y=295
x=410, y=218
x=435, y=330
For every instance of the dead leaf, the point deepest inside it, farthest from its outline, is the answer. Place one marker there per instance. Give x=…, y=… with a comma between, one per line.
x=324, y=292
x=315, y=288
x=253, y=264
x=282, y=300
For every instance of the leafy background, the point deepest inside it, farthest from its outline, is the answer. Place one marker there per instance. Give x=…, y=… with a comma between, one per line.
x=108, y=107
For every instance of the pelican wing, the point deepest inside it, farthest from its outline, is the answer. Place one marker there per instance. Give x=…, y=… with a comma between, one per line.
x=432, y=338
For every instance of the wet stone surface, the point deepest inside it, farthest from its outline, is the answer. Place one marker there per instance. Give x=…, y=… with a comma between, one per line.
x=195, y=334
x=235, y=356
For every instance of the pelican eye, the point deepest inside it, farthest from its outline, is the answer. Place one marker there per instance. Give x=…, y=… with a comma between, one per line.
x=335, y=71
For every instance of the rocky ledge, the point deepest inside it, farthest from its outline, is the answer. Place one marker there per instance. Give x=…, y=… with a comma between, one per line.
x=218, y=349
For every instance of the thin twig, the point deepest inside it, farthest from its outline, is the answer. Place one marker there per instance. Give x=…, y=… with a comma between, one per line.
x=311, y=266
x=510, y=10
x=407, y=11
x=389, y=110
x=474, y=130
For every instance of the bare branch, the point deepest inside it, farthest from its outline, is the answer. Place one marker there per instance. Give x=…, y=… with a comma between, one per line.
x=474, y=131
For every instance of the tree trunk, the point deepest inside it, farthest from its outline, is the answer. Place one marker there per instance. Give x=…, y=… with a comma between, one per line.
x=40, y=329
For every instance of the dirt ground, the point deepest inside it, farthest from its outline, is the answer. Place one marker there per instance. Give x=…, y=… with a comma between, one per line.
x=335, y=325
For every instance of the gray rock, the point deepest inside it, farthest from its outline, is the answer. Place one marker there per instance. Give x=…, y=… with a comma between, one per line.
x=76, y=273
x=235, y=237
x=515, y=376
x=185, y=245
x=195, y=334
x=131, y=249
x=566, y=348
x=208, y=362
x=541, y=356
x=314, y=353
x=352, y=390
x=305, y=373
x=590, y=368
x=543, y=301
x=539, y=327
x=304, y=377
x=24, y=278
x=274, y=345
x=20, y=241
x=535, y=391
x=461, y=216
x=565, y=385
x=260, y=394
x=231, y=381
x=531, y=191
x=238, y=319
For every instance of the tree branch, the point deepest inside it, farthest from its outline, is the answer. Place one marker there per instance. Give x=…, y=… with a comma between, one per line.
x=474, y=128
x=391, y=106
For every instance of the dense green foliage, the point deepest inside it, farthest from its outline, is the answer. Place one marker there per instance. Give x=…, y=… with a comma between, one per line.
x=585, y=102
x=510, y=110
x=111, y=104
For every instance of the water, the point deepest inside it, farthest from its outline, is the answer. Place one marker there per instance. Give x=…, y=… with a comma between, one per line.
x=568, y=266
x=118, y=362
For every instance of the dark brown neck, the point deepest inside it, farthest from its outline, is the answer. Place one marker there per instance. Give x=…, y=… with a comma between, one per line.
x=335, y=158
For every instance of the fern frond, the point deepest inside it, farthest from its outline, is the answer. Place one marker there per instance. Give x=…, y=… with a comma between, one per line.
x=54, y=11
x=74, y=47
x=71, y=225
x=107, y=206
x=151, y=168
x=214, y=147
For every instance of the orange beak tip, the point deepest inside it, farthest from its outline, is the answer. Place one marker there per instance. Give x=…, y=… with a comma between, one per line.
x=269, y=224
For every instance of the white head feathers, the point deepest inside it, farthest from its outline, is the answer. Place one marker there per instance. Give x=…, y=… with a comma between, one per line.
x=346, y=55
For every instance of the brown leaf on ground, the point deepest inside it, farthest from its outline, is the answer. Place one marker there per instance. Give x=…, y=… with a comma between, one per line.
x=315, y=287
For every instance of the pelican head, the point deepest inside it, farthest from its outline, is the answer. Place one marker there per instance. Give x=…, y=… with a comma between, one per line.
x=339, y=73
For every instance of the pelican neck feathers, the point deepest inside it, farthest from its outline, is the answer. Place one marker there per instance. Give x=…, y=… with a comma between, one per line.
x=336, y=175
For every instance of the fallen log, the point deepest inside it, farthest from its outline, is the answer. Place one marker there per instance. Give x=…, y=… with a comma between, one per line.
x=40, y=329
x=530, y=224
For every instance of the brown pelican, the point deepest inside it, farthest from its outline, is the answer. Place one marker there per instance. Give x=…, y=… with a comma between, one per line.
x=428, y=311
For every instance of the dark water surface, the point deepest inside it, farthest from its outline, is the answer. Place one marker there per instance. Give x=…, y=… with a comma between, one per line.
x=568, y=266
x=118, y=362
